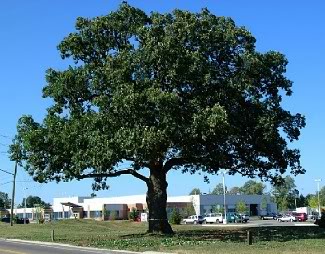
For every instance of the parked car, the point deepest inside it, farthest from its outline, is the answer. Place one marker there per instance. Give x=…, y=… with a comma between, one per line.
x=16, y=220
x=313, y=216
x=213, y=218
x=244, y=217
x=5, y=219
x=270, y=216
x=21, y=221
x=300, y=216
x=194, y=219
x=287, y=218
x=235, y=217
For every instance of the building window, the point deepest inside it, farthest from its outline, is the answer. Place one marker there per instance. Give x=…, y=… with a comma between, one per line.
x=95, y=214
x=57, y=215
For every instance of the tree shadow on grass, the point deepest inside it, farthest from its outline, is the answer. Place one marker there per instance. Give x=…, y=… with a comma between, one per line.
x=276, y=233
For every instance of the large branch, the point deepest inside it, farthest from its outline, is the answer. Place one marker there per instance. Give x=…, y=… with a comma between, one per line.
x=128, y=171
x=175, y=162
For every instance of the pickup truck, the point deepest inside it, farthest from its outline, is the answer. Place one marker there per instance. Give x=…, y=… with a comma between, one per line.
x=213, y=218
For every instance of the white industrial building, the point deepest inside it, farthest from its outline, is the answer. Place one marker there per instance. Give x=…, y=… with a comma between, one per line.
x=103, y=208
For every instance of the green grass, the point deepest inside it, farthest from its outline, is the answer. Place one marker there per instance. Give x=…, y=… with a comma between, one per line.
x=188, y=239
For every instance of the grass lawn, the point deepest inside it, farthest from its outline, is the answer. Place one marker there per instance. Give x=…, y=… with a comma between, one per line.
x=188, y=239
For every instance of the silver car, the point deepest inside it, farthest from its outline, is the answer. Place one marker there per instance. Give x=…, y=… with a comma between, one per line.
x=193, y=219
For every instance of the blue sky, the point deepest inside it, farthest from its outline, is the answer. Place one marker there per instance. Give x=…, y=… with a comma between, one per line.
x=31, y=30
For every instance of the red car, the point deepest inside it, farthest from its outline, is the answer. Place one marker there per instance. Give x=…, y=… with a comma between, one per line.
x=300, y=216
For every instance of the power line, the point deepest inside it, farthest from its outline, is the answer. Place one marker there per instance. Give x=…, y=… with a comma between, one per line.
x=6, y=171
x=5, y=136
x=5, y=183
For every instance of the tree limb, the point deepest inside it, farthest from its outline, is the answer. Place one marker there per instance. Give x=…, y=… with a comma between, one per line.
x=128, y=171
x=175, y=162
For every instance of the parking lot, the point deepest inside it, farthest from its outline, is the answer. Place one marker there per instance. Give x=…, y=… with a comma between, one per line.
x=256, y=222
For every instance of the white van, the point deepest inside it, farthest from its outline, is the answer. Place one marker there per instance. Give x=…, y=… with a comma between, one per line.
x=213, y=218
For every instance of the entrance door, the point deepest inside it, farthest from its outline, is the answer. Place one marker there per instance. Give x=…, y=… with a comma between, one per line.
x=253, y=209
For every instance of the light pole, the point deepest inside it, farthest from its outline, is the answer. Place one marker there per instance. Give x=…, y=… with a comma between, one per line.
x=25, y=205
x=224, y=195
x=296, y=192
x=318, y=181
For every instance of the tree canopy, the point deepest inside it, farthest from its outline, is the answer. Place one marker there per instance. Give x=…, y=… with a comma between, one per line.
x=179, y=90
x=195, y=191
x=252, y=187
x=5, y=201
x=234, y=190
x=286, y=194
x=218, y=190
x=31, y=201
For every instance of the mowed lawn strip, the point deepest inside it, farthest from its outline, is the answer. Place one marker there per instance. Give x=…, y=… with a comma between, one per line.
x=188, y=239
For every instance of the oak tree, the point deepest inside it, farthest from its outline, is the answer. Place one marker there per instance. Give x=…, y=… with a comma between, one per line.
x=185, y=91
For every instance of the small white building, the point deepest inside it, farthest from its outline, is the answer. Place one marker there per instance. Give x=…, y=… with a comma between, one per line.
x=119, y=207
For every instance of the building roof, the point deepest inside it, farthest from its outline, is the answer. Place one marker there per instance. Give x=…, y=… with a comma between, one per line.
x=70, y=204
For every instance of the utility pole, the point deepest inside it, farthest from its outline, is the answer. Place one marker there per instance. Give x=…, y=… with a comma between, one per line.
x=13, y=195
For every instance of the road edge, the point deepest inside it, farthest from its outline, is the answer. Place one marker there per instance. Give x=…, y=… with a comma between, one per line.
x=66, y=245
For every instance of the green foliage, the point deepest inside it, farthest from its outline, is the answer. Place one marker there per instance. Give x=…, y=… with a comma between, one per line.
x=241, y=207
x=252, y=187
x=217, y=209
x=134, y=214
x=5, y=201
x=285, y=193
x=175, y=217
x=32, y=201
x=218, y=190
x=283, y=205
x=113, y=215
x=302, y=201
x=15, y=219
x=234, y=191
x=313, y=202
x=107, y=214
x=189, y=210
x=195, y=191
x=126, y=99
x=322, y=196
x=38, y=214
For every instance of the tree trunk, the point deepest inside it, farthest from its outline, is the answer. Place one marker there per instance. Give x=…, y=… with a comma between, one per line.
x=157, y=202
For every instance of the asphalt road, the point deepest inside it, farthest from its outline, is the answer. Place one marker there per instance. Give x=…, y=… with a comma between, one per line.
x=18, y=247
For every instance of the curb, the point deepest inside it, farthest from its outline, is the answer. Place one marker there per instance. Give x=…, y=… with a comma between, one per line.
x=70, y=246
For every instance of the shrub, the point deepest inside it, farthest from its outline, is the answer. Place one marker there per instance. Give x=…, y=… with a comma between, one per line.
x=113, y=215
x=134, y=214
x=175, y=217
